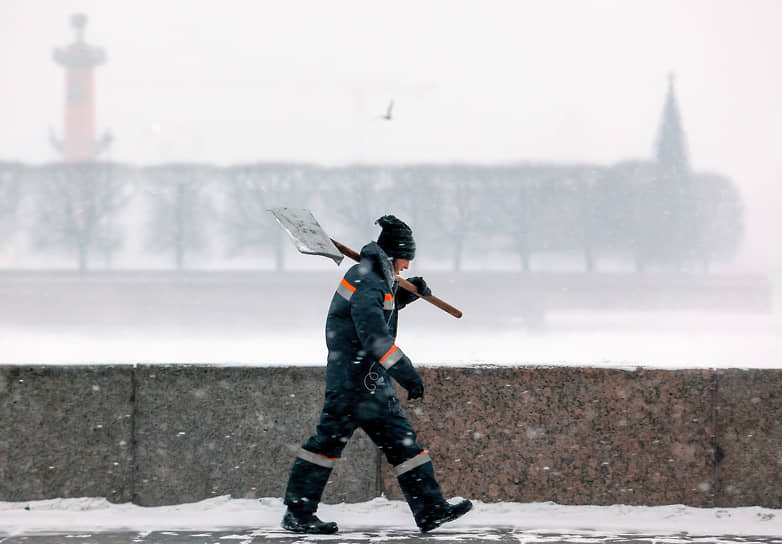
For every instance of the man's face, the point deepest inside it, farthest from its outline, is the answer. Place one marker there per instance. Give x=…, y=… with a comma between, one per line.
x=400, y=264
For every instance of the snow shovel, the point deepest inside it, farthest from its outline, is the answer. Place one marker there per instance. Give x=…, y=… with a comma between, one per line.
x=311, y=239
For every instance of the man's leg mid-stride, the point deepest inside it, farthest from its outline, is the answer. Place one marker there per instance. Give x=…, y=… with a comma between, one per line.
x=423, y=494
x=395, y=437
x=310, y=473
x=306, y=483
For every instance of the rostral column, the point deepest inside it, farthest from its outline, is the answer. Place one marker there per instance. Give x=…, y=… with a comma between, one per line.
x=79, y=60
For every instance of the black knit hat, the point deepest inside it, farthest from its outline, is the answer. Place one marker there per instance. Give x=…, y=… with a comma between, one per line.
x=396, y=238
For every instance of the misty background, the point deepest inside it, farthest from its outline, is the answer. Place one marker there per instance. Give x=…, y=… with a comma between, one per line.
x=590, y=182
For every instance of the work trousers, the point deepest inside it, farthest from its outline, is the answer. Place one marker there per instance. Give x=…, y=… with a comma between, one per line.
x=380, y=416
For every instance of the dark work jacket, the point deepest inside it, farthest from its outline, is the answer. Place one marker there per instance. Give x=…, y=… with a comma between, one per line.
x=361, y=329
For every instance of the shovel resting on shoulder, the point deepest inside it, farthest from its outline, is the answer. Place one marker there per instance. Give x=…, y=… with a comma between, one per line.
x=311, y=239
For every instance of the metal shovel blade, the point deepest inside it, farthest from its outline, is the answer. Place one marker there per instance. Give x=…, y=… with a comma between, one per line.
x=307, y=234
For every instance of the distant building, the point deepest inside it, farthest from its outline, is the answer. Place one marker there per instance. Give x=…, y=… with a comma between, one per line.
x=671, y=145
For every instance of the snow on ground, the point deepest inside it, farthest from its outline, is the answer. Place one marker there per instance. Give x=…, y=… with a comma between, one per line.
x=98, y=515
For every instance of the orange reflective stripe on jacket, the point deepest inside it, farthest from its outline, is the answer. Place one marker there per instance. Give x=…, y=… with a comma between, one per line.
x=391, y=357
x=345, y=289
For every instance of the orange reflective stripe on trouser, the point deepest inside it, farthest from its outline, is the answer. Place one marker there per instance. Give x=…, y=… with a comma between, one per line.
x=316, y=458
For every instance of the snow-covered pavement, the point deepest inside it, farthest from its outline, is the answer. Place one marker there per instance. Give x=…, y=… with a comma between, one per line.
x=227, y=520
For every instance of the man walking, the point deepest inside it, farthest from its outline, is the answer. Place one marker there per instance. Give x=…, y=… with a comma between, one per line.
x=362, y=359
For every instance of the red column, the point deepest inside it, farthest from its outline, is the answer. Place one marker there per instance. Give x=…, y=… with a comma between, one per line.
x=79, y=60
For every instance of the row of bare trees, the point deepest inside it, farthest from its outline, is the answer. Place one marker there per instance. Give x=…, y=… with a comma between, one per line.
x=625, y=211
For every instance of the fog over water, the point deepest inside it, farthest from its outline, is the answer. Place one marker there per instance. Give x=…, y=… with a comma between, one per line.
x=303, y=82
x=256, y=318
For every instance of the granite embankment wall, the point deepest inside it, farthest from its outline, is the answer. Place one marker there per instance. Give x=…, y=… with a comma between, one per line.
x=171, y=434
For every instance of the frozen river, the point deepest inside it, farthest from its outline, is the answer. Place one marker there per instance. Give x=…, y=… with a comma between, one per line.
x=270, y=318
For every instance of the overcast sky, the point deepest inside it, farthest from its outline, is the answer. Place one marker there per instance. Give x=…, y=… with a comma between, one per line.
x=568, y=81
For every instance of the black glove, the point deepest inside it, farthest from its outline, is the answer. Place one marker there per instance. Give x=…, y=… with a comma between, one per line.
x=416, y=391
x=405, y=297
x=420, y=284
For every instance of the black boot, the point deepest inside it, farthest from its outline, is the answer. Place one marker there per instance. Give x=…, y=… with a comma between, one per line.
x=426, y=501
x=305, y=486
x=435, y=516
x=307, y=522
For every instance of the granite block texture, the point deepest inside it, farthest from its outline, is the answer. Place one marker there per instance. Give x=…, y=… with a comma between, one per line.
x=208, y=431
x=66, y=432
x=565, y=434
x=749, y=433
x=171, y=434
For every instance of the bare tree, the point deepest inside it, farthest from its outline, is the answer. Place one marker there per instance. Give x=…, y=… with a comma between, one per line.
x=515, y=213
x=610, y=220
x=181, y=209
x=11, y=174
x=415, y=198
x=251, y=190
x=464, y=212
x=75, y=207
x=719, y=216
x=355, y=197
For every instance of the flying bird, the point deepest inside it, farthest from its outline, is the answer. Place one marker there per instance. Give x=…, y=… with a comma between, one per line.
x=387, y=115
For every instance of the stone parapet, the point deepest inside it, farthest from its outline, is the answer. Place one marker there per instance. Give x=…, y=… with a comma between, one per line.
x=568, y=435
x=155, y=434
x=66, y=432
x=748, y=412
x=205, y=431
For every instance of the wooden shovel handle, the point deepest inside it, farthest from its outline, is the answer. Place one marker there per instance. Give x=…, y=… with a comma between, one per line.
x=346, y=251
x=406, y=285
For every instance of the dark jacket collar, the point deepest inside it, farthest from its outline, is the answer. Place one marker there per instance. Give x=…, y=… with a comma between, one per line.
x=372, y=255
